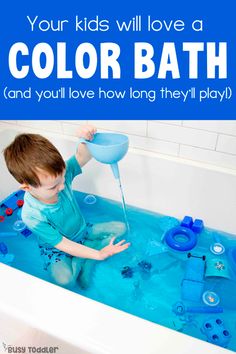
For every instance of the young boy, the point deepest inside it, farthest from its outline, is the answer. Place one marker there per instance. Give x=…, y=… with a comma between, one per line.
x=68, y=245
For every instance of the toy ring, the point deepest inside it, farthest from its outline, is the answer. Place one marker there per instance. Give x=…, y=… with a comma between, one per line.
x=181, y=238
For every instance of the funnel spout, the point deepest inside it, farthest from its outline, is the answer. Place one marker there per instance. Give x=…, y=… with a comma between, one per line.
x=115, y=170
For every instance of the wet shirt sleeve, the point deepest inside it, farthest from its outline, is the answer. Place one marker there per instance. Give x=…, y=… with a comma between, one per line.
x=73, y=169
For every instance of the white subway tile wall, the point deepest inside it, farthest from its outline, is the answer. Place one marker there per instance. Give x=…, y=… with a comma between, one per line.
x=227, y=144
x=209, y=141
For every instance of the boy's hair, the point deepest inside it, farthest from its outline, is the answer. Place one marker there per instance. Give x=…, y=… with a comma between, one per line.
x=30, y=153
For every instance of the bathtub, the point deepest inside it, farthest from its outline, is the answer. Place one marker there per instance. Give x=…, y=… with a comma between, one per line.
x=30, y=307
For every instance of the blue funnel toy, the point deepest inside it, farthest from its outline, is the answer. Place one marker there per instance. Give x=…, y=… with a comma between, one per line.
x=108, y=148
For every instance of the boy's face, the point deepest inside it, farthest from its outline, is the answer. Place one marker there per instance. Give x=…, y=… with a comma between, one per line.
x=49, y=189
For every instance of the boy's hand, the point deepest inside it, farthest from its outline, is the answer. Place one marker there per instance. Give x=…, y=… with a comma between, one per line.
x=112, y=249
x=86, y=131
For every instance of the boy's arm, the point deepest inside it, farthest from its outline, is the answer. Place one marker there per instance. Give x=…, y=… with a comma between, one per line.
x=82, y=154
x=78, y=250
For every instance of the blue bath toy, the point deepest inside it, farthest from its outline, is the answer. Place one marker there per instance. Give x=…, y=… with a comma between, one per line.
x=217, y=267
x=187, y=222
x=26, y=232
x=108, y=148
x=197, y=226
x=3, y=248
x=181, y=238
x=145, y=266
x=216, y=332
x=90, y=199
x=19, y=225
x=184, y=237
x=210, y=298
x=180, y=309
x=217, y=247
x=193, y=282
x=127, y=272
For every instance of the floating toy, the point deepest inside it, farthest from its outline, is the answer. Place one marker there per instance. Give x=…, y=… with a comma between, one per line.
x=9, y=211
x=210, y=298
x=216, y=332
x=19, y=225
x=26, y=232
x=193, y=282
x=108, y=148
x=184, y=237
x=232, y=258
x=181, y=238
x=180, y=309
x=90, y=199
x=127, y=272
x=3, y=248
x=217, y=267
x=2, y=218
x=217, y=247
x=143, y=267
x=11, y=200
x=197, y=226
x=187, y=222
x=20, y=203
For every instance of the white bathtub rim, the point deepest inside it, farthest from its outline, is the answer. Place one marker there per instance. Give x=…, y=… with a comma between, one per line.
x=144, y=335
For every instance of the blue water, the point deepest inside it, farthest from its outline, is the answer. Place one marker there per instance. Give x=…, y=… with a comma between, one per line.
x=150, y=292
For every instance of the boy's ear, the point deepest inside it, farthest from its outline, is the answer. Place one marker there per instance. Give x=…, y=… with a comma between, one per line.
x=25, y=187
